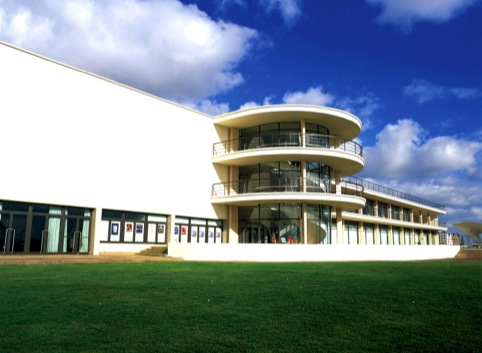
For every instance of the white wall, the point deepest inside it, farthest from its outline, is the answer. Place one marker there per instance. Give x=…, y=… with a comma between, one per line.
x=307, y=253
x=74, y=139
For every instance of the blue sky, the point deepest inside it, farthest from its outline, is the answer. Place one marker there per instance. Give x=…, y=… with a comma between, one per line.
x=411, y=70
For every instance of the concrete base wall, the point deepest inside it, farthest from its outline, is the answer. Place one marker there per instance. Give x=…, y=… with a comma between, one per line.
x=122, y=248
x=308, y=253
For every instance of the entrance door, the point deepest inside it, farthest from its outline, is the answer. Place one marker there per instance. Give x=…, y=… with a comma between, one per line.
x=12, y=233
x=39, y=234
x=76, y=239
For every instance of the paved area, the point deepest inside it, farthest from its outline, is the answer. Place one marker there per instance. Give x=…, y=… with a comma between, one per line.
x=79, y=259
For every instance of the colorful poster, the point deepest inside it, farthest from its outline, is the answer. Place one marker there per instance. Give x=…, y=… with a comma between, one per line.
x=202, y=236
x=211, y=235
x=115, y=231
x=161, y=233
x=193, y=234
x=176, y=234
x=151, y=233
x=139, y=232
x=129, y=232
x=183, y=234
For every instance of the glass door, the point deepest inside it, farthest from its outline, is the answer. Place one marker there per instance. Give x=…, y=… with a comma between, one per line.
x=39, y=234
x=12, y=233
x=76, y=237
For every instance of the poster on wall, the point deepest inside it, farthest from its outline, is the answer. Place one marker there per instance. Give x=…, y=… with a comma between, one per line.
x=218, y=235
x=139, y=232
x=211, y=235
x=151, y=233
x=176, y=234
x=194, y=235
x=161, y=233
x=114, y=231
x=202, y=236
x=183, y=234
x=129, y=232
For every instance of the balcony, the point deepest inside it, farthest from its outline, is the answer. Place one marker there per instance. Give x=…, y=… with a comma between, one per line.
x=345, y=156
x=345, y=195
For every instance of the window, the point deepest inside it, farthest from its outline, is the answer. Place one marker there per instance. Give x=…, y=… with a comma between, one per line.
x=382, y=210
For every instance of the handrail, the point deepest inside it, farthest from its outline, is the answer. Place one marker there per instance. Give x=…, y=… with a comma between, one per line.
x=289, y=140
x=307, y=185
x=392, y=192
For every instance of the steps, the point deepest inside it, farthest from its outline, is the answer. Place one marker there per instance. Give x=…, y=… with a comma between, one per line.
x=471, y=254
x=155, y=250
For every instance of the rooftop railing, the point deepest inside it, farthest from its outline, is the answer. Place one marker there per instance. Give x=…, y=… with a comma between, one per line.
x=308, y=185
x=392, y=192
x=287, y=139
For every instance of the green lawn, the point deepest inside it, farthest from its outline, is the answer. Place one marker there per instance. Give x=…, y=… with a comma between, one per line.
x=231, y=307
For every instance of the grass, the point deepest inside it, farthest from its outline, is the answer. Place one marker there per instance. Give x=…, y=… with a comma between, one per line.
x=231, y=307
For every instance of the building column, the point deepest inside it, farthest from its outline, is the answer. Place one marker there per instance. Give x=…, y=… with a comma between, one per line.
x=233, y=231
x=95, y=231
x=303, y=132
x=340, y=231
x=304, y=219
x=377, y=234
x=390, y=235
x=402, y=235
x=361, y=236
x=170, y=227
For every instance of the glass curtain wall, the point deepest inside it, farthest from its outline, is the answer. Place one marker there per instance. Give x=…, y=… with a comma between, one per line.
x=283, y=176
x=319, y=219
x=270, y=223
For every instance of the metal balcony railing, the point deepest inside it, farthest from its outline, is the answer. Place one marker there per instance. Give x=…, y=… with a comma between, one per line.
x=288, y=139
x=386, y=190
x=308, y=185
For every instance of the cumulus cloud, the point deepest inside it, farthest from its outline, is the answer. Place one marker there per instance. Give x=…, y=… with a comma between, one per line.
x=425, y=91
x=163, y=47
x=363, y=107
x=402, y=152
x=314, y=95
x=290, y=10
x=406, y=12
x=443, y=169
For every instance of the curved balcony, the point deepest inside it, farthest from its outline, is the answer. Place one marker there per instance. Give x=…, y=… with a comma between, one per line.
x=344, y=195
x=338, y=122
x=342, y=155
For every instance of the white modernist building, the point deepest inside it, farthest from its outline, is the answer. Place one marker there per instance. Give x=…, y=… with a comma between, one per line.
x=92, y=166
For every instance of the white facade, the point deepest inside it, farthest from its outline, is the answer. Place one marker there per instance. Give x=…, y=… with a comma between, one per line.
x=73, y=139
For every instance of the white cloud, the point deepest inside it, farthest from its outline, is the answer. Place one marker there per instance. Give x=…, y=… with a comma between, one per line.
x=425, y=91
x=211, y=108
x=442, y=169
x=363, y=107
x=405, y=13
x=402, y=152
x=314, y=95
x=164, y=47
x=290, y=10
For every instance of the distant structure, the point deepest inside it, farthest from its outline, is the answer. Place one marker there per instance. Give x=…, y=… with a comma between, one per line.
x=91, y=166
x=472, y=229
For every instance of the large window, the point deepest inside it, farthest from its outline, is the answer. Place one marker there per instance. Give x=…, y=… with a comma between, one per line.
x=197, y=230
x=369, y=208
x=382, y=210
x=283, y=176
x=43, y=228
x=319, y=219
x=133, y=227
x=369, y=234
x=351, y=233
x=270, y=223
x=395, y=212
